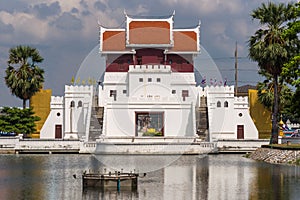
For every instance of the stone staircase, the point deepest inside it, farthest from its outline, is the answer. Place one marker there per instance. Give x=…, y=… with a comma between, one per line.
x=202, y=119
x=96, y=121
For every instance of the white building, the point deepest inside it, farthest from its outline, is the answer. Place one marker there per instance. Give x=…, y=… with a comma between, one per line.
x=149, y=90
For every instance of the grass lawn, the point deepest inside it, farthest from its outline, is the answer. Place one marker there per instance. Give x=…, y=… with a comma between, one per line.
x=283, y=146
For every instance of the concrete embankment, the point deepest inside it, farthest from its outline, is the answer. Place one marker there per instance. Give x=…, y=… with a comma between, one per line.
x=276, y=156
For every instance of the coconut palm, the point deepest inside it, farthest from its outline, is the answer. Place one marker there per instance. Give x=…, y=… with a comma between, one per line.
x=23, y=76
x=269, y=49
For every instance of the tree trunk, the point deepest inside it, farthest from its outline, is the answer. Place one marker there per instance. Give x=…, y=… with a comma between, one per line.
x=274, y=137
x=24, y=103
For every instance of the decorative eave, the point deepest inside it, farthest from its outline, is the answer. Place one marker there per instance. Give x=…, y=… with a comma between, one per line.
x=150, y=18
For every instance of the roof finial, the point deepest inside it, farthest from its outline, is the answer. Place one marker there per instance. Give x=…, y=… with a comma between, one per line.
x=173, y=13
x=199, y=23
x=125, y=12
x=98, y=22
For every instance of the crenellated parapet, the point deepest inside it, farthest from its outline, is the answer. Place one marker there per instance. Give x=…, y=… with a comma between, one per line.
x=241, y=102
x=56, y=102
x=71, y=90
x=241, y=99
x=217, y=92
x=111, y=77
x=78, y=88
x=149, y=68
x=218, y=88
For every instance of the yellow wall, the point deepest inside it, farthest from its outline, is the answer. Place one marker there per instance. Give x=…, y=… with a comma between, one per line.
x=40, y=103
x=260, y=115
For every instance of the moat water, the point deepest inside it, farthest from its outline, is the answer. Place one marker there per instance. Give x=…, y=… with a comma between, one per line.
x=223, y=176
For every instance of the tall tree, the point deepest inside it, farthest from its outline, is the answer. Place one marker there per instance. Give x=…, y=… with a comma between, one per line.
x=291, y=70
x=265, y=93
x=23, y=76
x=269, y=48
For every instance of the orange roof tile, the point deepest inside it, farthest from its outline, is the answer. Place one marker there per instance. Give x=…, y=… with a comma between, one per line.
x=184, y=41
x=144, y=24
x=113, y=41
x=149, y=32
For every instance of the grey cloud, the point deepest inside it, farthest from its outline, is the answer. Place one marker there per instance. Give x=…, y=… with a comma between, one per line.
x=100, y=6
x=43, y=10
x=86, y=13
x=84, y=4
x=74, y=10
x=12, y=6
x=67, y=21
x=6, y=28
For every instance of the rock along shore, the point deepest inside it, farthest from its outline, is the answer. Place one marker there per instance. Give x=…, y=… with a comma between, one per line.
x=276, y=156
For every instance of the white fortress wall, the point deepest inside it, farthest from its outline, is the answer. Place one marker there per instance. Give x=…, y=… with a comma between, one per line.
x=178, y=118
x=149, y=89
x=78, y=102
x=226, y=112
x=242, y=117
x=220, y=102
x=55, y=117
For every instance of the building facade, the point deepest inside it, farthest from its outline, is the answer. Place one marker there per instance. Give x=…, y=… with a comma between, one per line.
x=149, y=90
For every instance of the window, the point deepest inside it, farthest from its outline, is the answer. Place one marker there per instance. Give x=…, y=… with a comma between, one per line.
x=218, y=104
x=113, y=93
x=173, y=91
x=72, y=104
x=185, y=93
x=226, y=104
x=79, y=104
x=141, y=80
x=149, y=79
x=124, y=91
x=158, y=80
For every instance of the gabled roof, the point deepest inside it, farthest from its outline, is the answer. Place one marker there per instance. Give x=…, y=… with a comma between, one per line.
x=150, y=32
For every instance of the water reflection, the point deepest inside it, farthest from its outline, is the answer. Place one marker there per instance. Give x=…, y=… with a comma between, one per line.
x=189, y=177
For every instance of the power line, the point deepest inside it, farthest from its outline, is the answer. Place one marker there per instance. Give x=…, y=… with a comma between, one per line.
x=227, y=58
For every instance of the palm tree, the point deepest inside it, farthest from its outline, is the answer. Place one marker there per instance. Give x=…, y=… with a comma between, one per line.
x=23, y=77
x=265, y=94
x=269, y=49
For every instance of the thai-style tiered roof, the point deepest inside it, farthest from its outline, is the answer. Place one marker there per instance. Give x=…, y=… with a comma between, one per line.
x=150, y=32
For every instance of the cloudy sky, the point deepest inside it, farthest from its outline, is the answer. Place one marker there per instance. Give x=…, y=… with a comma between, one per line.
x=66, y=31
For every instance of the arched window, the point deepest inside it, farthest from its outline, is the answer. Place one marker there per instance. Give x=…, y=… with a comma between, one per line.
x=72, y=104
x=218, y=104
x=79, y=104
x=226, y=104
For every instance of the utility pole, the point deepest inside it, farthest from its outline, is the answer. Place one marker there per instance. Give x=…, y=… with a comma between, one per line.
x=236, y=70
